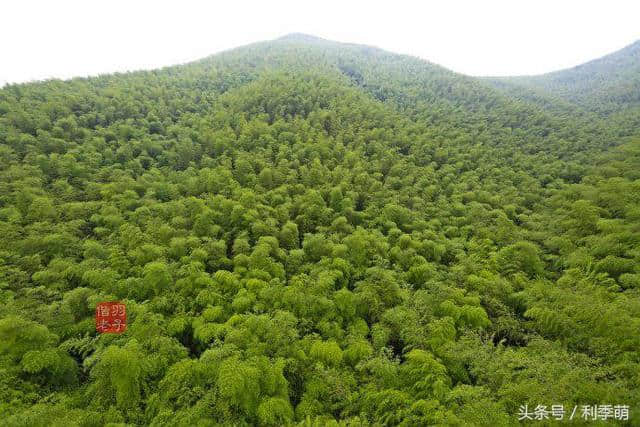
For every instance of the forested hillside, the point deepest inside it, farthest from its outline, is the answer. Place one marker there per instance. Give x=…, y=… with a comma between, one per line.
x=608, y=86
x=315, y=233
x=605, y=84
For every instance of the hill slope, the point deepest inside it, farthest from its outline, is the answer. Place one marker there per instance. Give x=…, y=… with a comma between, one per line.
x=603, y=85
x=305, y=231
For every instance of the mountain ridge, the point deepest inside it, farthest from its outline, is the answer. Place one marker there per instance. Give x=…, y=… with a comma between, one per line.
x=632, y=48
x=603, y=85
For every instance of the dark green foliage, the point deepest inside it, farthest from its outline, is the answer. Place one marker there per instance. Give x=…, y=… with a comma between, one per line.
x=312, y=233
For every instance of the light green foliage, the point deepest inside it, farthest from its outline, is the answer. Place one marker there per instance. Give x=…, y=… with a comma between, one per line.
x=357, y=351
x=156, y=277
x=118, y=376
x=53, y=366
x=19, y=336
x=328, y=353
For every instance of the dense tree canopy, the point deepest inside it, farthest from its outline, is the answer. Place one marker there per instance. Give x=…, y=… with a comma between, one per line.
x=305, y=232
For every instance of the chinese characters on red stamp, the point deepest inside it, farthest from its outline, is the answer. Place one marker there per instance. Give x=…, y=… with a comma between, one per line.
x=111, y=317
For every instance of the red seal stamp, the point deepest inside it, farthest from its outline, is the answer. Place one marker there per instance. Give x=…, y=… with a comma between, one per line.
x=111, y=317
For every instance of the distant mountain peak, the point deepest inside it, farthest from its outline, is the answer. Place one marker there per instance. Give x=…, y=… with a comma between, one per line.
x=301, y=37
x=606, y=85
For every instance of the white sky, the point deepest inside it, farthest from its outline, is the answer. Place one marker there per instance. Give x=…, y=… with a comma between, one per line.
x=41, y=39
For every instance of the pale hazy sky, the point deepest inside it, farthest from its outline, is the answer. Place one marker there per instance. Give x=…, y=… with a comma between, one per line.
x=41, y=39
